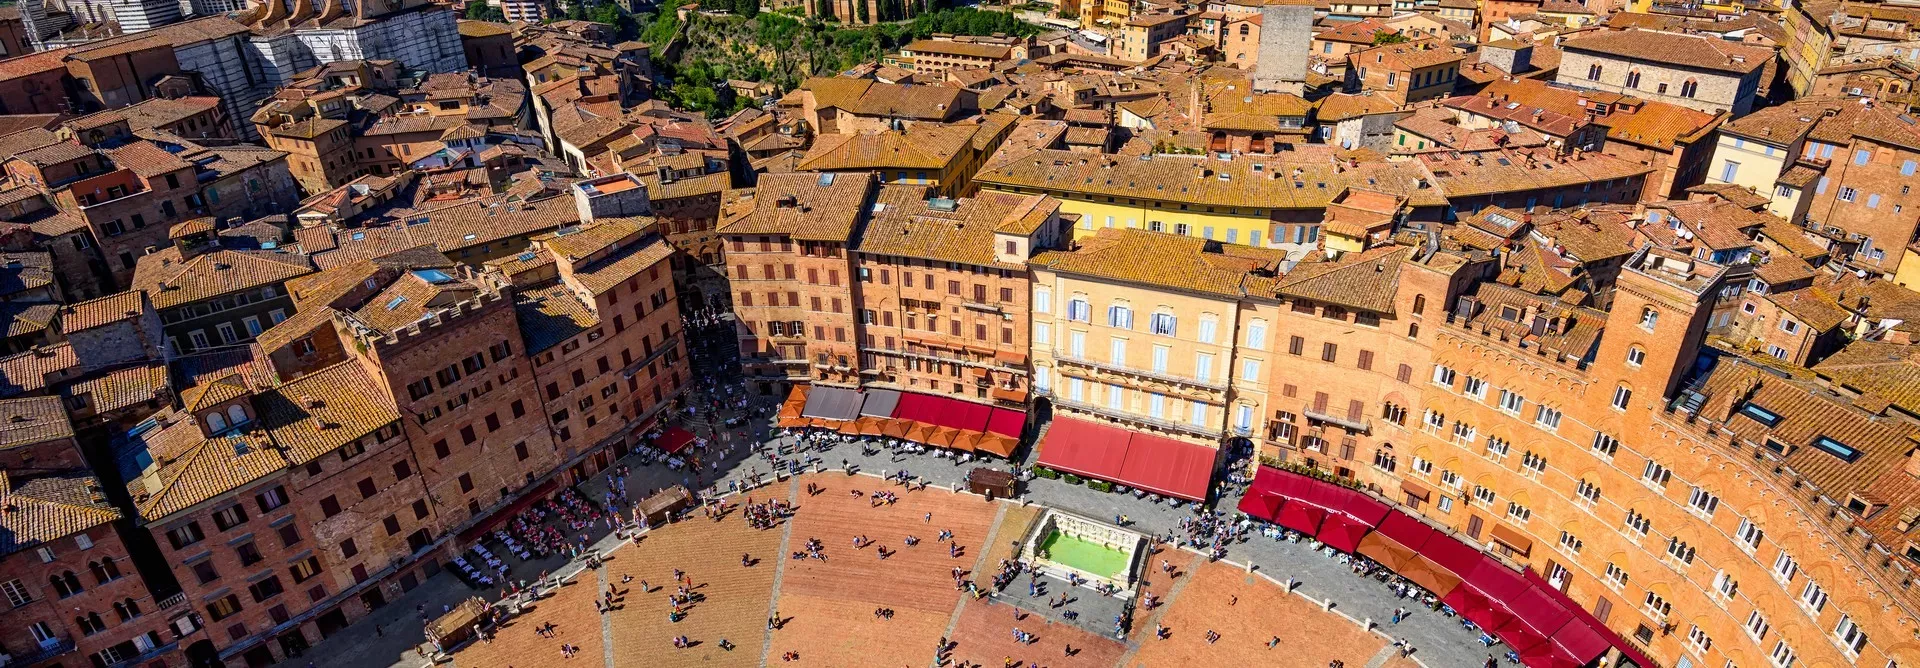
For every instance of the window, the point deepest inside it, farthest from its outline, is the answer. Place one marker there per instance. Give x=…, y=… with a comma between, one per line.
x=1689, y=87
x=1657, y=606
x=1622, y=395
x=1649, y=318
x=1163, y=324
x=1698, y=640
x=1637, y=524
x=185, y=535
x=1511, y=402
x=1250, y=370
x=1636, y=356
x=230, y=517
x=17, y=594
x=271, y=499
x=1518, y=513
x=1725, y=585
x=1656, y=475
x=1605, y=446
x=1570, y=543
x=1749, y=535
x=1616, y=577
x=1547, y=418
x=1729, y=171
x=1257, y=334
x=1535, y=463
x=1593, y=72
x=1848, y=194
x=1422, y=466
x=1078, y=309
x=1832, y=447
x=1329, y=352
x=1475, y=388
x=1464, y=434
x=1208, y=327
x=1813, y=597
x=1703, y=503
x=1587, y=493
x=1757, y=625
x=1442, y=375
x=1850, y=636
x=1680, y=549
x=224, y=608
x=1784, y=568
x=1483, y=494
x=1120, y=317
x=1782, y=655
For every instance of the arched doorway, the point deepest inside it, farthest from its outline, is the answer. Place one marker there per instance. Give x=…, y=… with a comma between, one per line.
x=202, y=654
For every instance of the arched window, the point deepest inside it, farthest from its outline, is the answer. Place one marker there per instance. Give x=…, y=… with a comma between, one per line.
x=1419, y=304
x=1593, y=72
x=104, y=571
x=1649, y=318
x=1636, y=356
x=66, y=584
x=1633, y=78
x=1244, y=29
x=236, y=415
x=216, y=423
x=126, y=609
x=1413, y=330
x=1689, y=88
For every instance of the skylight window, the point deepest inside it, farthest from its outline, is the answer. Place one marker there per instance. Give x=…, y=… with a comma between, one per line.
x=1845, y=452
x=1761, y=415
x=397, y=301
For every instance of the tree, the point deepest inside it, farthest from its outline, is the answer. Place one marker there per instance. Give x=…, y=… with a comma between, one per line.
x=1388, y=37
x=747, y=8
x=479, y=10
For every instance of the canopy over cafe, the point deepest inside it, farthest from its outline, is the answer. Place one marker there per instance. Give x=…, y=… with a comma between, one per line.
x=1525, y=611
x=928, y=419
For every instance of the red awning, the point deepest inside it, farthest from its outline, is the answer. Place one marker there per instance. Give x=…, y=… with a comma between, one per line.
x=1263, y=505
x=1006, y=422
x=1449, y=553
x=1538, y=611
x=674, y=440
x=1361, y=507
x=1152, y=463
x=1083, y=448
x=964, y=414
x=1585, y=637
x=1168, y=467
x=1405, y=530
x=918, y=407
x=1301, y=516
x=1342, y=532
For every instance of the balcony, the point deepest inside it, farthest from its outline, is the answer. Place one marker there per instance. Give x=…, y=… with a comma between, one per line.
x=1135, y=419
x=1219, y=385
x=1363, y=426
x=49, y=648
x=931, y=356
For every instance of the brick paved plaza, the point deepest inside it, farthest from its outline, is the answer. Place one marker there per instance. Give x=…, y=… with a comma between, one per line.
x=827, y=607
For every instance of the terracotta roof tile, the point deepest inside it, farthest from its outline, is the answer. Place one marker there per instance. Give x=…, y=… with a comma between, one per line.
x=122, y=388
x=318, y=413
x=31, y=420
x=49, y=508
x=1161, y=260
x=169, y=282
x=102, y=311
x=819, y=207
x=1673, y=48
x=550, y=315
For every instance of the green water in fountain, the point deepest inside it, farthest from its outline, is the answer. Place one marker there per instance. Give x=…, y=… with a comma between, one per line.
x=1085, y=555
